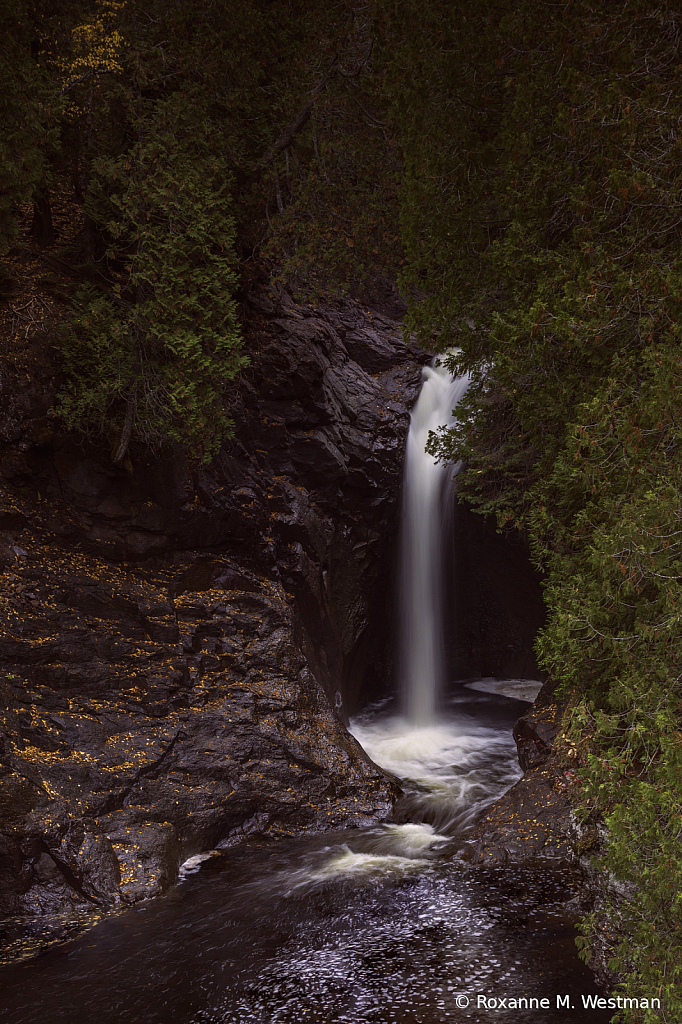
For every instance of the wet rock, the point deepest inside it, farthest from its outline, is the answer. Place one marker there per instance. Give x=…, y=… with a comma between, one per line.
x=369, y=350
x=533, y=820
x=181, y=646
x=314, y=467
x=116, y=773
x=534, y=732
x=210, y=574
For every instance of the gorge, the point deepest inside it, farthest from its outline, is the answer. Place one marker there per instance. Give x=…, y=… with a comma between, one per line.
x=185, y=648
x=232, y=237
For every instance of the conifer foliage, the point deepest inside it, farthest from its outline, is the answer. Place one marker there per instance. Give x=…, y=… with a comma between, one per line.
x=193, y=134
x=152, y=343
x=541, y=213
x=29, y=114
x=152, y=353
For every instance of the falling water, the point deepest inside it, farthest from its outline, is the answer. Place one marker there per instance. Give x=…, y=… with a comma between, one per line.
x=427, y=501
x=383, y=924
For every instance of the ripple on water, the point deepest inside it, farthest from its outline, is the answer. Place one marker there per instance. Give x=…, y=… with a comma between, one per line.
x=405, y=951
x=369, y=926
x=450, y=772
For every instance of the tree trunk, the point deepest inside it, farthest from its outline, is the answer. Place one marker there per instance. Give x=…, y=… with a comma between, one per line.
x=127, y=431
x=41, y=225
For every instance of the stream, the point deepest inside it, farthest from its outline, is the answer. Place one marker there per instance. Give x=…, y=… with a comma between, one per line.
x=385, y=925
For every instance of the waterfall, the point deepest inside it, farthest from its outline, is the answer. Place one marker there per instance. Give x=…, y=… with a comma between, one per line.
x=427, y=503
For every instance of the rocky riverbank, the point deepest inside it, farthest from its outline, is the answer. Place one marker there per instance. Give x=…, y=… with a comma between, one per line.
x=534, y=820
x=181, y=645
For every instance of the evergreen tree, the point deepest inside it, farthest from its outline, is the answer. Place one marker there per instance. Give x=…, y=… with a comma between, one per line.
x=332, y=192
x=29, y=113
x=157, y=112
x=192, y=125
x=540, y=213
x=154, y=338
x=151, y=354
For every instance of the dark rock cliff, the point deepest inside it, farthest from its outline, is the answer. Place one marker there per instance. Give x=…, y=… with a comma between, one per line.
x=534, y=820
x=181, y=646
x=496, y=601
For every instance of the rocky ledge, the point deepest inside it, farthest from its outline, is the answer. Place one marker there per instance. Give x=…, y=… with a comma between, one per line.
x=534, y=820
x=181, y=645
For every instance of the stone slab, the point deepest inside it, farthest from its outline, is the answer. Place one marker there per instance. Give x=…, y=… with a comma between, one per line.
x=519, y=689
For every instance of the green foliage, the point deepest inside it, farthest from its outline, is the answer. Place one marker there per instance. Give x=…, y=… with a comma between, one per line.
x=154, y=339
x=165, y=339
x=190, y=131
x=174, y=117
x=633, y=782
x=615, y=634
x=29, y=111
x=542, y=150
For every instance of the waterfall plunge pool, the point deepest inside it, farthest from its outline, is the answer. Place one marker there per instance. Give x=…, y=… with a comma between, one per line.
x=384, y=925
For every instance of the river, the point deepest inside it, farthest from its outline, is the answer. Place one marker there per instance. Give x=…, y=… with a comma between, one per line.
x=387, y=925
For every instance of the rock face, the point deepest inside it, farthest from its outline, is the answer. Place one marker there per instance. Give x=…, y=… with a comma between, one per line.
x=534, y=819
x=535, y=822
x=141, y=732
x=181, y=645
x=496, y=601
x=535, y=732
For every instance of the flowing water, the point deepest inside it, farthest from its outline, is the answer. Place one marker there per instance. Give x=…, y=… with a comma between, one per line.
x=384, y=925
x=427, y=503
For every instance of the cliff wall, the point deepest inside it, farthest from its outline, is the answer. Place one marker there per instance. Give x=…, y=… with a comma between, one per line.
x=181, y=645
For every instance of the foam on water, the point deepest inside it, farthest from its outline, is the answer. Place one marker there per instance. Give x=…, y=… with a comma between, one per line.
x=410, y=839
x=390, y=850
x=358, y=864
x=336, y=865
x=450, y=771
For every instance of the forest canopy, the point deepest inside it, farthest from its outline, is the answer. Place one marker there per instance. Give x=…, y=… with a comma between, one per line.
x=198, y=138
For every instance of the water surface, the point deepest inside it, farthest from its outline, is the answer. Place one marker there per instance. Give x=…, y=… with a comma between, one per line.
x=385, y=925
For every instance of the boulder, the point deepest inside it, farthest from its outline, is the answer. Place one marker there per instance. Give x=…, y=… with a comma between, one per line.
x=534, y=732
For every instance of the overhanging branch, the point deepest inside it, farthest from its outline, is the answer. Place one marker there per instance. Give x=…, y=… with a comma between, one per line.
x=287, y=136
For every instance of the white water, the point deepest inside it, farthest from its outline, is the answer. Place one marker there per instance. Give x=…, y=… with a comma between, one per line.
x=427, y=503
x=450, y=772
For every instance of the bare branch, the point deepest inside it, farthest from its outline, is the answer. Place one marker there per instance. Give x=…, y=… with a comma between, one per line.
x=299, y=122
x=127, y=431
